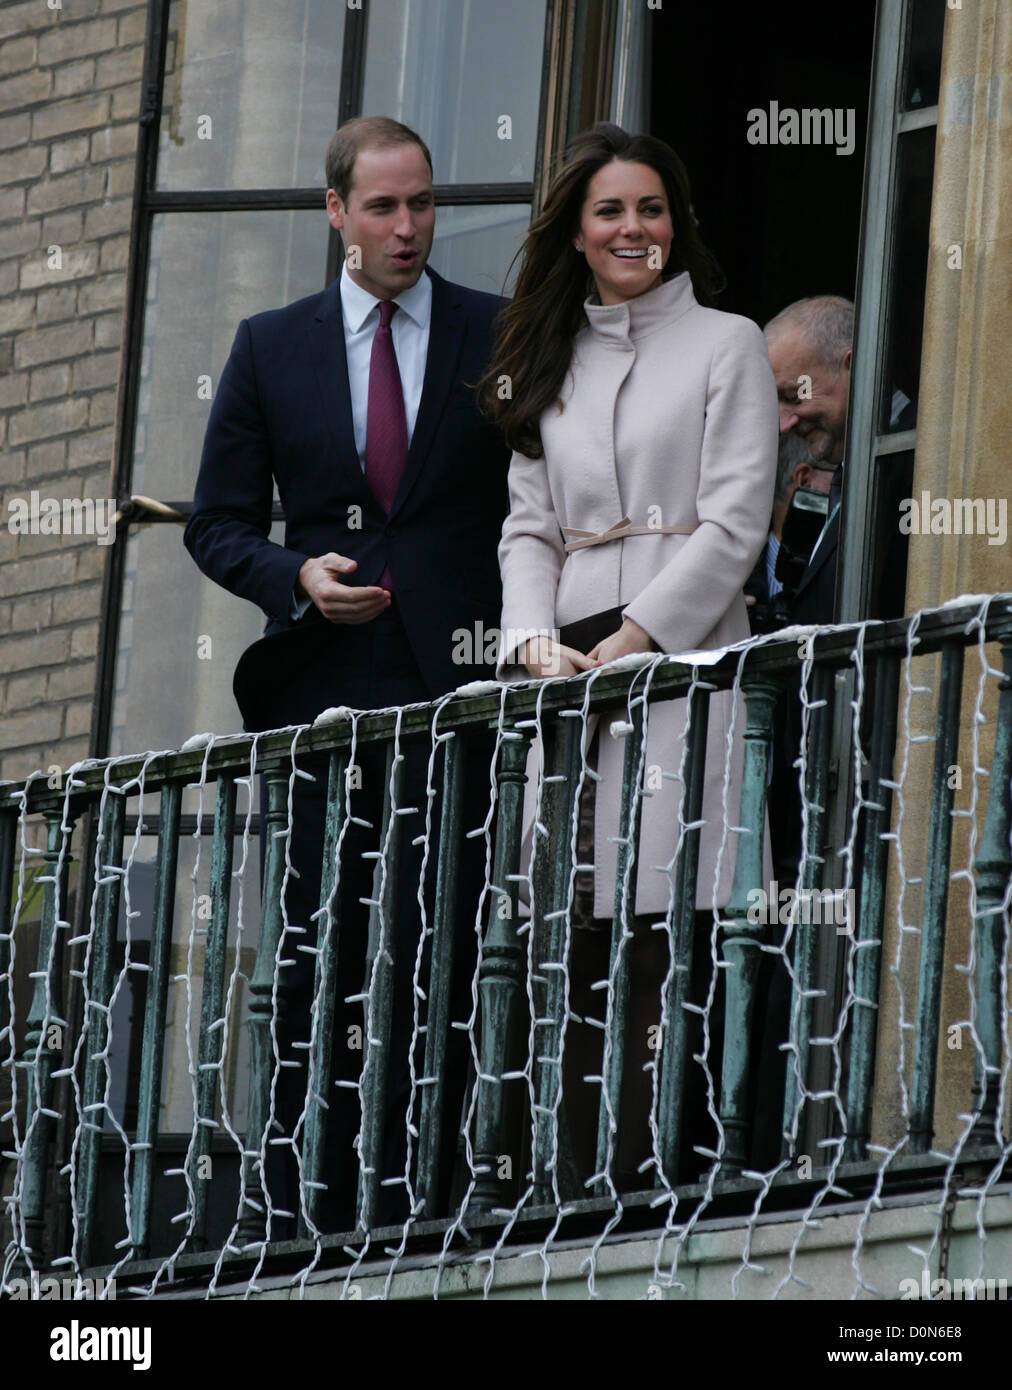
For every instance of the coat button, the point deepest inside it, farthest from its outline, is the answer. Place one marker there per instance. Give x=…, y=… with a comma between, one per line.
x=390, y=532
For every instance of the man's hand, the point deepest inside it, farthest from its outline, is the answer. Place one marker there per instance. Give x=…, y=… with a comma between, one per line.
x=320, y=580
x=629, y=638
x=543, y=657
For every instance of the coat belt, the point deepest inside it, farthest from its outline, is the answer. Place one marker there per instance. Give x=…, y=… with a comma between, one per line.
x=581, y=540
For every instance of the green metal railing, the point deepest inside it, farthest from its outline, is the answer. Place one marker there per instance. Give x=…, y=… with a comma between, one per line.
x=74, y=1074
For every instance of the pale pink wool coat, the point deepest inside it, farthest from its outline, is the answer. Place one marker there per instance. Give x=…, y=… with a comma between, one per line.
x=669, y=418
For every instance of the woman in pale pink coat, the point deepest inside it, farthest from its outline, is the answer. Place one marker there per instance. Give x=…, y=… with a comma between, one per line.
x=631, y=402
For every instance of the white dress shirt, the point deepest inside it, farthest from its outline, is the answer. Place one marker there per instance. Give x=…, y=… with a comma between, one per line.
x=409, y=328
x=773, y=585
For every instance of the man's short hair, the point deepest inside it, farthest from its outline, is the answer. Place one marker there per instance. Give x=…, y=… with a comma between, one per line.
x=365, y=132
x=791, y=451
x=827, y=322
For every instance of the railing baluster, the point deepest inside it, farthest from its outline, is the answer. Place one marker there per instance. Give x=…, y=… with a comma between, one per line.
x=803, y=934
x=681, y=931
x=871, y=912
x=273, y=822
x=613, y=1061
x=551, y=889
x=380, y=971
x=210, y=1057
x=8, y=854
x=155, y=1004
x=739, y=938
x=325, y=988
x=991, y=867
x=109, y=881
x=444, y=923
x=500, y=973
x=45, y=1012
x=936, y=896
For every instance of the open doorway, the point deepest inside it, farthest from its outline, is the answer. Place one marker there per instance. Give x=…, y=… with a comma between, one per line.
x=782, y=219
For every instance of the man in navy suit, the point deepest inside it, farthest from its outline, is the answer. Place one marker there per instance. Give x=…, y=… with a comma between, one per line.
x=358, y=404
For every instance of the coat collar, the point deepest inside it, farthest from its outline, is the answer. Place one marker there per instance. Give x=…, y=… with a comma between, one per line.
x=635, y=318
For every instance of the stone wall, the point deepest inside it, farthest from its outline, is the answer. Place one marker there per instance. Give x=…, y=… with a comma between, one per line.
x=69, y=102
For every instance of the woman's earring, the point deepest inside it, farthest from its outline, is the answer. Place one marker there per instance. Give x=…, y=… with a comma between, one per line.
x=578, y=246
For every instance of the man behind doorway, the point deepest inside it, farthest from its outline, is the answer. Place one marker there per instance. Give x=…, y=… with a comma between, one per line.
x=809, y=346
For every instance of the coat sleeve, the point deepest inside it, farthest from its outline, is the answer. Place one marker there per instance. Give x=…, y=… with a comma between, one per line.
x=686, y=600
x=228, y=531
x=531, y=554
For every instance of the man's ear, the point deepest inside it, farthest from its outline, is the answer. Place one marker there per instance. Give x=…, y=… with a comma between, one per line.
x=845, y=363
x=335, y=210
x=802, y=475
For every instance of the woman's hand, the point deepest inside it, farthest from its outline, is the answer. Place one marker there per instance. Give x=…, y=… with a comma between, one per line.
x=543, y=657
x=629, y=638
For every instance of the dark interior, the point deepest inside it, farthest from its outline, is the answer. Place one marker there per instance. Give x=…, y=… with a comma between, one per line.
x=782, y=220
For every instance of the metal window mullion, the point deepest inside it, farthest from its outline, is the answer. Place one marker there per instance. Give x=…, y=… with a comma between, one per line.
x=349, y=105
x=917, y=119
x=152, y=86
x=312, y=199
x=858, y=517
x=898, y=443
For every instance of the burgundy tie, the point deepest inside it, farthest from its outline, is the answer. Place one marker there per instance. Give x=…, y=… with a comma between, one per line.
x=386, y=429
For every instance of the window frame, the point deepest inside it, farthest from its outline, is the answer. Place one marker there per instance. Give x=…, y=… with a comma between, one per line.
x=866, y=445
x=149, y=201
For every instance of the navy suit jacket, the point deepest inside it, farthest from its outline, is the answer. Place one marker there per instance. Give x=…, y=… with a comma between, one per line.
x=282, y=413
x=815, y=599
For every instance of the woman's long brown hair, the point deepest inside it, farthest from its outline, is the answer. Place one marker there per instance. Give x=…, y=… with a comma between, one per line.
x=536, y=331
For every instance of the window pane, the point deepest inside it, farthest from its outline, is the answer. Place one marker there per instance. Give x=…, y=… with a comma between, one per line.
x=924, y=54
x=171, y=682
x=474, y=246
x=453, y=70
x=908, y=279
x=251, y=93
x=894, y=481
x=209, y=270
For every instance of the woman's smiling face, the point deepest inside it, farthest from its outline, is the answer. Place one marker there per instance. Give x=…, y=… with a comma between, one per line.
x=625, y=230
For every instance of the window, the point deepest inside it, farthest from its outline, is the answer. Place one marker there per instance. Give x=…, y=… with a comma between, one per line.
x=242, y=98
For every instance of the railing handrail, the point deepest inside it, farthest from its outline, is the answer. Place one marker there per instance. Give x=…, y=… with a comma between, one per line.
x=832, y=645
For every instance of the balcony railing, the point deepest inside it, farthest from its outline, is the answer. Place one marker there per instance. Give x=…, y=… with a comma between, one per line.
x=135, y=1025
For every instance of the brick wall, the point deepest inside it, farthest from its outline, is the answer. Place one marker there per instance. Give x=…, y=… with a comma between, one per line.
x=69, y=101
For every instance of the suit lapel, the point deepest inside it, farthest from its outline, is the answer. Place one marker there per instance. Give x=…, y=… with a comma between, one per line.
x=446, y=338
x=330, y=363
x=827, y=548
